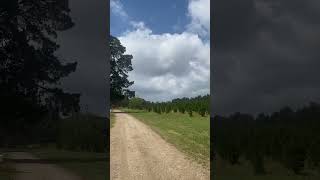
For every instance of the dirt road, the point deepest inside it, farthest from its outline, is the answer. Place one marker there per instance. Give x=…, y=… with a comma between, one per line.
x=39, y=171
x=138, y=153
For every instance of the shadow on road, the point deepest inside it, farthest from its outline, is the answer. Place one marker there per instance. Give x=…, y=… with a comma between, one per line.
x=55, y=160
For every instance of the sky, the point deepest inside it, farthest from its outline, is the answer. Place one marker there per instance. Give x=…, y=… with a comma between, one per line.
x=265, y=52
x=266, y=55
x=170, y=44
x=151, y=13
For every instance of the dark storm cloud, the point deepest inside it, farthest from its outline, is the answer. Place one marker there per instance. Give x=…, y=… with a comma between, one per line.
x=86, y=43
x=266, y=54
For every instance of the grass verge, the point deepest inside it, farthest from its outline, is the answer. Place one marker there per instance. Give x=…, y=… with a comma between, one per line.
x=93, y=170
x=112, y=120
x=275, y=171
x=6, y=172
x=190, y=135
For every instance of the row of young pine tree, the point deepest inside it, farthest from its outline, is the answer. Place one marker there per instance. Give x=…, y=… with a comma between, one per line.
x=199, y=104
x=290, y=137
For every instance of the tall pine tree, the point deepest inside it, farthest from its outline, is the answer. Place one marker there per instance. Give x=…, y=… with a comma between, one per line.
x=29, y=69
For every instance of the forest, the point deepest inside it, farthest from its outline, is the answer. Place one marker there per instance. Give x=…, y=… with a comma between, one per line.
x=34, y=106
x=199, y=104
x=289, y=137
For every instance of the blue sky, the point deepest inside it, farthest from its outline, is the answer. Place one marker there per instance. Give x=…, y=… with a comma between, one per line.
x=169, y=41
x=163, y=16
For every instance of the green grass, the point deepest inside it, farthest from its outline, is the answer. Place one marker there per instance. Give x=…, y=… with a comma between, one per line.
x=112, y=120
x=83, y=132
x=87, y=170
x=274, y=171
x=190, y=135
x=6, y=172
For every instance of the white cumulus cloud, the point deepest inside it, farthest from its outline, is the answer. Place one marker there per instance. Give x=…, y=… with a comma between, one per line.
x=199, y=11
x=167, y=65
x=117, y=9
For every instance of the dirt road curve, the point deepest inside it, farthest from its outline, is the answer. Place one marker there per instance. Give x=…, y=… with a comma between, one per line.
x=138, y=153
x=37, y=171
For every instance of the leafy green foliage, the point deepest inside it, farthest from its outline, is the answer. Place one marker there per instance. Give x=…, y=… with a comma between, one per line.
x=288, y=137
x=137, y=103
x=82, y=133
x=120, y=66
x=29, y=68
x=199, y=104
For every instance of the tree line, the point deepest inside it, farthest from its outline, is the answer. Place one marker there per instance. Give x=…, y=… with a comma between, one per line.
x=33, y=106
x=199, y=104
x=30, y=70
x=290, y=137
